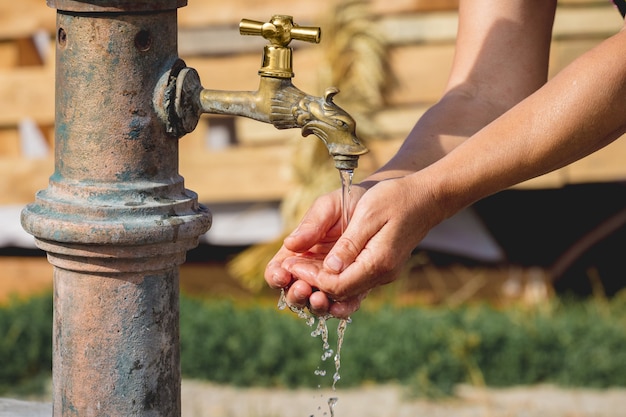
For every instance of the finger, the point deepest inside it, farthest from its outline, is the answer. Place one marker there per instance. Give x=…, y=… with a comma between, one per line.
x=344, y=309
x=319, y=303
x=320, y=219
x=305, y=269
x=333, y=285
x=275, y=275
x=298, y=294
x=370, y=269
x=360, y=230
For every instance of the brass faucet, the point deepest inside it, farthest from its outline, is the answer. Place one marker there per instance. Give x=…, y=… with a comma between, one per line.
x=277, y=100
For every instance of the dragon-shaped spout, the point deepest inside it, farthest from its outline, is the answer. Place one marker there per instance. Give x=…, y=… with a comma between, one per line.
x=279, y=102
x=182, y=99
x=321, y=117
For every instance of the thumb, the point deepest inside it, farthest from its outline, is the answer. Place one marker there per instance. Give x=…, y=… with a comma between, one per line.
x=316, y=224
x=348, y=247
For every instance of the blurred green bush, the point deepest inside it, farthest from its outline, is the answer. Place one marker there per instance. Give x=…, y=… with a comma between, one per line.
x=569, y=343
x=26, y=345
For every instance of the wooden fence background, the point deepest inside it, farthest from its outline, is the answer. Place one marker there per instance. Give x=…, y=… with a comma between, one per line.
x=420, y=39
x=257, y=164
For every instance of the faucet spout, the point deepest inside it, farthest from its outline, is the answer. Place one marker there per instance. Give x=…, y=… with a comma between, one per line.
x=279, y=102
x=181, y=99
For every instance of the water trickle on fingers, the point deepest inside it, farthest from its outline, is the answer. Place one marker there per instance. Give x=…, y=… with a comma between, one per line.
x=320, y=330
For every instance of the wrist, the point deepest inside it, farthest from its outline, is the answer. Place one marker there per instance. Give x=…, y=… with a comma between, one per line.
x=381, y=175
x=442, y=197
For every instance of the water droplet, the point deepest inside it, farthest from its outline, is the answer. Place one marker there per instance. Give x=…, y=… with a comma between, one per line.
x=282, y=302
x=332, y=401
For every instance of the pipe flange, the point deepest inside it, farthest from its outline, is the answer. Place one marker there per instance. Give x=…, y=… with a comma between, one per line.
x=176, y=99
x=187, y=104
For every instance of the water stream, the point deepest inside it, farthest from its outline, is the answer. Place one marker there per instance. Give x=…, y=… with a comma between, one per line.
x=346, y=183
x=321, y=329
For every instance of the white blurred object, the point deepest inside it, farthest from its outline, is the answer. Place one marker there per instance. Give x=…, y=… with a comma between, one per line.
x=11, y=232
x=32, y=140
x=41, y=40
x=243, y=224
x=464, y=234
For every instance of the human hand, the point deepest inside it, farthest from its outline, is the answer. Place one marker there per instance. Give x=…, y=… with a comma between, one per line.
x=311, y=241
x=388, y=221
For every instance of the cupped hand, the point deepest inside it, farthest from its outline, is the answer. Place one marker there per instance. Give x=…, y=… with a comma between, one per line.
x=311, y=241
x=332, y=273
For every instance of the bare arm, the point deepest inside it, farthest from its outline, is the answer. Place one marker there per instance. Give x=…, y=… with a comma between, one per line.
x=501, y=57
x=573, y=115
x=498, y=123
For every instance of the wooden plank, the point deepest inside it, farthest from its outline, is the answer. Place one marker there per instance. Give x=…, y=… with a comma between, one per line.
x=305, y=12
x=420, y=28
x=22, y=277
x=264, y=173
x=570, y=3
x=564, y=52
x=240, y=72
x=260, y=167
x=22, y=18
x=411, y=6
x=426, y=62
x=604, y=165
x=202, y=13
x=27, y=92
x=9, y=55
x=238, y=174
x=421, y=73
x=596, y=20
x=21, y=178
x=10, y=143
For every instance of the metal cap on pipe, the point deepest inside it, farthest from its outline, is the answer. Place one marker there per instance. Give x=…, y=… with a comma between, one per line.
x=96, y=6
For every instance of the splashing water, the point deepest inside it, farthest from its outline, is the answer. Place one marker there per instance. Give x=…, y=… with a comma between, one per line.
x=341, y=330
x=320, y=330
x=331, y=405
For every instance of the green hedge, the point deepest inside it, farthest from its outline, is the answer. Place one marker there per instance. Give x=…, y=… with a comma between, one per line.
x=566, y=343
x=26, y=344
x=430, y=349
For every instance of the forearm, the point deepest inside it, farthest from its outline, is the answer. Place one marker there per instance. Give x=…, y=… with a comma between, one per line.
x=487, y=78
x=576, y=113
x=448, y=123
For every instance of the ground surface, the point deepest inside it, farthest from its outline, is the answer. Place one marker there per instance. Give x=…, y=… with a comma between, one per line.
x=201, y=399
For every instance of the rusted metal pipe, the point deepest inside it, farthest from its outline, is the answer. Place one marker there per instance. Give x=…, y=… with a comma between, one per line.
x=116, y=219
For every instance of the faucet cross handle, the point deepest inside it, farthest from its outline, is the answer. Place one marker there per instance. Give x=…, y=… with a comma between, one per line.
x=280, y=30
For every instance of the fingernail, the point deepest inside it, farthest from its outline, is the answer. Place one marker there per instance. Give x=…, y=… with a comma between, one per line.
x=299, y=294
x=334, y=263
x=278, y=280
